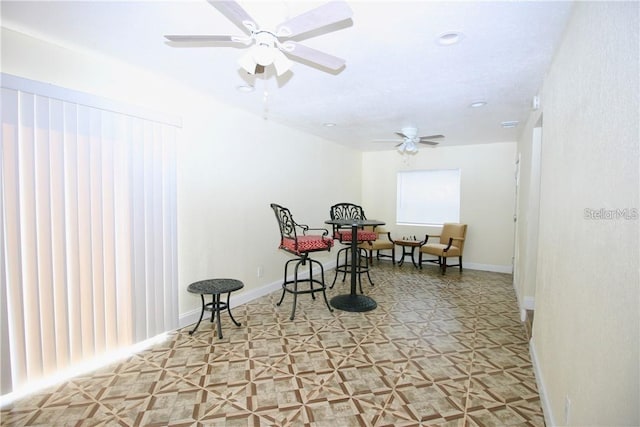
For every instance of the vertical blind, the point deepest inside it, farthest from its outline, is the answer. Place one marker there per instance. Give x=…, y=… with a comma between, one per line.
x=88, y=243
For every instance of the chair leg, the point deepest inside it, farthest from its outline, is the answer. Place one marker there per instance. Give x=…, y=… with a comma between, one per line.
x=346, y=262
x=295, y=291
x=294, y=283
x=367, y=267
x=310, y=278
x=460, y=262
x=324, y=287
x=338, y=267
x=360, y=277
x=284, y=283
x=335, y=277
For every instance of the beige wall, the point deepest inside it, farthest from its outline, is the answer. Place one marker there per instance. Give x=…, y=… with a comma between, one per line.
x=586, y=332
x=230, y=165
x=487, y=196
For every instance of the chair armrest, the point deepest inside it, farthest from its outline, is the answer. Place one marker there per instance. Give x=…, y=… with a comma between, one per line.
x=324, y=231
x=389, y=237
x=451, y=239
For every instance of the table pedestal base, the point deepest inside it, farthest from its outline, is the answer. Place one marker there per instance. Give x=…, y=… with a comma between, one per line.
x=354, y=303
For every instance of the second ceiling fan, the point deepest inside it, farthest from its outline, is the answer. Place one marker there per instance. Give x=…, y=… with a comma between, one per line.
x=411, y=139
x=274, y=47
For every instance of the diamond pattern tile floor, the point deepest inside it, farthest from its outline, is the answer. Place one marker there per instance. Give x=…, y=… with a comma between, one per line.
x=437, y=351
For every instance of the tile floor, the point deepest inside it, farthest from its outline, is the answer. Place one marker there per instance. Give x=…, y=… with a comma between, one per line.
x=439, y=350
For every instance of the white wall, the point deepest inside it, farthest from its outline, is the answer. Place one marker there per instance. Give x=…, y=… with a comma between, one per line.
x=231, y=165
x=586, y=332
x=487, y=196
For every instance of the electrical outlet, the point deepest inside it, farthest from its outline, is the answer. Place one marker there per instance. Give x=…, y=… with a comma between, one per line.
x=567, y=410
x=260, y=271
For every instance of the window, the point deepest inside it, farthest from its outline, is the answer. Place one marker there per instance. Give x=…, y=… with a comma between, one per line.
x=428, y=197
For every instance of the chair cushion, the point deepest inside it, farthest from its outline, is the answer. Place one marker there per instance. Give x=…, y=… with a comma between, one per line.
x=377, y=245
x=307, y=244
x=437, y=249
x=363, y=236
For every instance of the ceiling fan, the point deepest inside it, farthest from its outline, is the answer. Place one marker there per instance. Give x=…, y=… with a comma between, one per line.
x=410, y=139
x=274, y=47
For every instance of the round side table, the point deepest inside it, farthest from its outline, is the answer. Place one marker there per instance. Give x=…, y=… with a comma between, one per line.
x=215, y=287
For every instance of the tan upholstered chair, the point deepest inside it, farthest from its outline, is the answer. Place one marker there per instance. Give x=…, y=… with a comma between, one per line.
x=383, y=242
x=451, y=244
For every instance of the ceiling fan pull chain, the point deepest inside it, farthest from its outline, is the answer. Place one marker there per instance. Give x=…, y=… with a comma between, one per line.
x=265, y=98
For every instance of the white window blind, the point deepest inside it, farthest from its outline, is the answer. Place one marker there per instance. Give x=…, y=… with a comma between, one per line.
x=88, y=243
x=428, y=197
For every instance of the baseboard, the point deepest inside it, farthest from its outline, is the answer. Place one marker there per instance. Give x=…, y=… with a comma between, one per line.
x=527, y=303
x=524, y=303
x=488, y=267
x=544, y=400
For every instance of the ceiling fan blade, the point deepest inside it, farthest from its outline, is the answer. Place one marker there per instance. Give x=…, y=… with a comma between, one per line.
x=200, y=39
x=235, y=13
x=401, y=135
x=315, y=56
x=321, y=16
x=431, y=137
x=388, y=141
x=428, y=142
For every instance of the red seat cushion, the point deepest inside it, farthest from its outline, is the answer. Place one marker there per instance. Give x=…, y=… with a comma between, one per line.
x=307, y=244
x=363, y=236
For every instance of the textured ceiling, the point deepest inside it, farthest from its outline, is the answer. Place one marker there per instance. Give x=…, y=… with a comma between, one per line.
x=396, y=73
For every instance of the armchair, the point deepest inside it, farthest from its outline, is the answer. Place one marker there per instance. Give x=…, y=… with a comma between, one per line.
x=450, y=244
x=383, y=242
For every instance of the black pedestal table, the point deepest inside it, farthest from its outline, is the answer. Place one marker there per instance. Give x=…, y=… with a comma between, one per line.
x=353, y=301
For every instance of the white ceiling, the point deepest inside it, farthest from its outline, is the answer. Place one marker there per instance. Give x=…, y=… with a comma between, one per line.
x=396, y=73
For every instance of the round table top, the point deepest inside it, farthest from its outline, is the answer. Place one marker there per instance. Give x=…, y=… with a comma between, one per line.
x=403, y=242
x=215, y=286
x=354, y=222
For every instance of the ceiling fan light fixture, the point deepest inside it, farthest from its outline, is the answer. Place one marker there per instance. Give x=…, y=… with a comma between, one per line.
x=407, y=147
x=281, y=63
x=264, y=55
x=247, y=63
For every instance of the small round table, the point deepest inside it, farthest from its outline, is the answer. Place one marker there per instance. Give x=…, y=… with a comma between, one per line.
x=215, y=287
x=408, y=248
